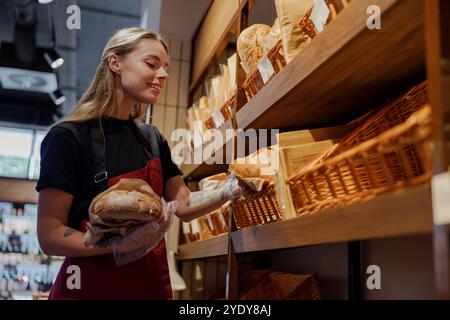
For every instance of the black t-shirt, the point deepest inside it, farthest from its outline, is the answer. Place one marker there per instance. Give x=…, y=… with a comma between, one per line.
x=67, y=158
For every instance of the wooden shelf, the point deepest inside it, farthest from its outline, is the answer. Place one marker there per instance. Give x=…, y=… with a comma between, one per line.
x=217, y=246
x=346, y=70
x=18, y=190
x=393, y=214
x=215, y=33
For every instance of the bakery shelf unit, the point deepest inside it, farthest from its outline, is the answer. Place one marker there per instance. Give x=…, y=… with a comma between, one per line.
x=216, y=246
x=345, y=72
x=376, y=218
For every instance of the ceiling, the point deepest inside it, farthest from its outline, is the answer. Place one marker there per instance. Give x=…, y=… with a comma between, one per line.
x=181, y=18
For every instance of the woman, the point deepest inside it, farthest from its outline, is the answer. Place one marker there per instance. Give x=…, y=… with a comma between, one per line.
x=92, y=149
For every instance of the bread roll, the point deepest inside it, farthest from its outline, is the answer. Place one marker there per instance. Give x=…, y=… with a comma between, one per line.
x=250, y=46
x=129, y=199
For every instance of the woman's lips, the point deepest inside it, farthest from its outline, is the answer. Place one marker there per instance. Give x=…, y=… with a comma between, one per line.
x=155, y=88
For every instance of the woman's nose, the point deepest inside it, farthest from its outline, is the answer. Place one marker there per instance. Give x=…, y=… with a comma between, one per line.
x=162, y=73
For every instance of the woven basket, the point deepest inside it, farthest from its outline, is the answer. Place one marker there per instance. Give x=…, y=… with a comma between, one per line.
x=397, y=158
x=255, y=208
x=307, y=26
x=207, y=231
x=383, y=118
x=227, y=108
x=284, y=286
x=254, y=82
x=192, y=237
x=209, y=123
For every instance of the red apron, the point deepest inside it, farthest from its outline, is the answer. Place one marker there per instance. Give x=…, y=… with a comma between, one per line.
x=145, y=278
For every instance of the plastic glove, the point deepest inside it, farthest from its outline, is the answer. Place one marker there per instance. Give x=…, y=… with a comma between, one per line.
x=144, y=238
x=232, y=189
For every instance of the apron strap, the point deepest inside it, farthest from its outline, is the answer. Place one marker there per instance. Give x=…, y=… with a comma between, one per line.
x=147, y=138
x=99, y=150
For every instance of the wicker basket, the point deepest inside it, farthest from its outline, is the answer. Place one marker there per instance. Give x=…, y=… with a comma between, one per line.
x=306, y=24
x=191, y=237
x=254, y=82
x=255, y=208
x=207, y=230
x=284, y=286
x=227, y=108
x=396, y=158
x=385, y=117
x=209, y=123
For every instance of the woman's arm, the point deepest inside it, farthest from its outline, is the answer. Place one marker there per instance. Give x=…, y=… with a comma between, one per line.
x=195, y=204
x=55, y=237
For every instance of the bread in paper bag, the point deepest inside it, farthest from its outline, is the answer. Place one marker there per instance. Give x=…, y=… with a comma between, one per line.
x=289, y=13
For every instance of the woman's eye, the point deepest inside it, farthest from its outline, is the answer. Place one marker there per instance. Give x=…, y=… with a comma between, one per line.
x=151, y=65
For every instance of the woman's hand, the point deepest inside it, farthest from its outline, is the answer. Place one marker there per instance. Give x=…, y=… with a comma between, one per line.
x=144, y=238
x=196, y=204
x=232, y=190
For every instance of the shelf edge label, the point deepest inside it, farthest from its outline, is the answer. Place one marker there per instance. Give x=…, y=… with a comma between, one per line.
x=440, y=194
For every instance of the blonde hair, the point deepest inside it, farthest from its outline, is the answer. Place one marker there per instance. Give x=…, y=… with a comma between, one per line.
x=100, y=97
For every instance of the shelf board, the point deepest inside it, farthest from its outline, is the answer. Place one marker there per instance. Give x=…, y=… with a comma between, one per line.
x=346, y=70
x=216, y=246
x=399, y=213
x=18, y=190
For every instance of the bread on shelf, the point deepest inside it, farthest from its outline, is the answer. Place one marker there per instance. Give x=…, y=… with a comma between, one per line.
x=250, y=46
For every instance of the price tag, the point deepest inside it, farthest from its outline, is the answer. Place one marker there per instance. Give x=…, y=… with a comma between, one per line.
x=198, y=129
x=218, y=118
x=195, y=226
x=222, y=220
x=186, y=228
x=210, y=223
x=266, y=70
x=440, y=187
x=320, y=14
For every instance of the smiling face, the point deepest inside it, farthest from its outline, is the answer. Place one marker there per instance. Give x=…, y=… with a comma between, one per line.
x=142, y=72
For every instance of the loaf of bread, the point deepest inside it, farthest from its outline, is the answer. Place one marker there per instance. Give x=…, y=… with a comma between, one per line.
x=128, y=200
x=250, y=46
x=289, y=13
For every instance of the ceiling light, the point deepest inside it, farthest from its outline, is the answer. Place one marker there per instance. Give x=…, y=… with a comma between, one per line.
x=45, y=1
x=57, y=97
x=53, y=58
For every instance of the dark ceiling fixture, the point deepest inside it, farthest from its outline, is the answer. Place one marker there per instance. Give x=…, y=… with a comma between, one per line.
x=53, y=58
x=57, y=97
x=28, y=82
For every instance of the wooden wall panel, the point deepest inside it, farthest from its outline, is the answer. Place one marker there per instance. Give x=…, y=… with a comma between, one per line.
x=214, y=30
x=15, y=190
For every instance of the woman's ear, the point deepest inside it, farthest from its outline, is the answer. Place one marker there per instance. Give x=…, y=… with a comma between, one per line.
x=114, y=63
